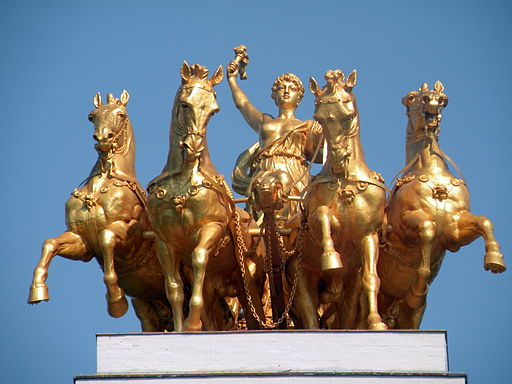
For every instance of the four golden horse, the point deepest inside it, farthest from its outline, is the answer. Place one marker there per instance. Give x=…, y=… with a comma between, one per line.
x=199, y=245
x=199, y=229
x=344, y=209
x=427, y=214
x=106, y=219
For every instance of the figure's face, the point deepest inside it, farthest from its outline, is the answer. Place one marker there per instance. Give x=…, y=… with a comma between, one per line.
x=287, y=94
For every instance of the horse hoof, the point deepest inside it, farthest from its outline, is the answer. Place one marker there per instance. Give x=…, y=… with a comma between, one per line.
x=378, y=326
x=189, y=327
x=38, y=293
x=493, y=261
x=117, y=308
x=331, y=260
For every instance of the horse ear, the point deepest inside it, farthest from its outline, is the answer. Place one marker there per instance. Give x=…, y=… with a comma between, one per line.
x=125, y=96
x=97, y=100
x=409, y=98
x=185, y=72
x=438, y=87
x=313, y=86
x=351, y=81
x=424, y=87
x=217, y=76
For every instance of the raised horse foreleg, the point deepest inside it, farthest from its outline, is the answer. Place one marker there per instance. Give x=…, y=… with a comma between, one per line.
x=330, y=259
x=68, y=245
x=371, y=281
x=469, y=227
x=208, y=238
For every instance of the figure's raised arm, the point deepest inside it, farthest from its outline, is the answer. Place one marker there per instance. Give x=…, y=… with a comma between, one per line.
x=252, y=115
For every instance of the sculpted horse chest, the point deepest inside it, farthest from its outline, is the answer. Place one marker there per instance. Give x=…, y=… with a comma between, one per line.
x=102, y=201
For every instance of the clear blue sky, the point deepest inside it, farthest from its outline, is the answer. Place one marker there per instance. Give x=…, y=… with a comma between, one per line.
x=55, y=55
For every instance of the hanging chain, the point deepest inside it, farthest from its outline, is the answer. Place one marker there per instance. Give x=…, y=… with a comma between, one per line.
x=242, y=250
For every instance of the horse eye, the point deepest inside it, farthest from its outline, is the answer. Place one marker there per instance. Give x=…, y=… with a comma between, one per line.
x=90, y=118
x=442, y=100
x=121, y=115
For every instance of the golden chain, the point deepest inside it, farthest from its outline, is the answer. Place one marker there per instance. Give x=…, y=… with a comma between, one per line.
x=242, y=250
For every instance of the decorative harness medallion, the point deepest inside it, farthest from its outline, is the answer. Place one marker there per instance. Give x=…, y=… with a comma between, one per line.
x=440, y=192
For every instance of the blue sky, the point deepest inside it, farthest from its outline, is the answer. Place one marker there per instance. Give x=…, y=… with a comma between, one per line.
x=56, y=55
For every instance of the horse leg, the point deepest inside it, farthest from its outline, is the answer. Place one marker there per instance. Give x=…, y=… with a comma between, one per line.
x=148, y=316
x=330, y=259
x=68, y=245
x=108, y=239
x=173, y=283
x=409, y=318
x=371, y=281
x=423, y=229
x=306, y=301
x=208, y=237
x=469, y=227
x=350, y=308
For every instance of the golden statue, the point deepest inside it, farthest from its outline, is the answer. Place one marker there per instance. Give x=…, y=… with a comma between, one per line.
x=106, y=218
x=335, y=255
x=275, y=168
x=344, y=209
x=427, y=214
x=286, y=144
x=203, y=241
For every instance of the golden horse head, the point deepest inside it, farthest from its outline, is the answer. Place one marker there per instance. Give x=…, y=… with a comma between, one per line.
x=194, y=105
x=424, y=110
x=110, y=122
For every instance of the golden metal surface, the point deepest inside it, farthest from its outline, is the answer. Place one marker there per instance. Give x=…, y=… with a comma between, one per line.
x=285, y=145
x=329, y=252
x=106, y=219
x=193, y=214
x=427, y=214
x=344, y=208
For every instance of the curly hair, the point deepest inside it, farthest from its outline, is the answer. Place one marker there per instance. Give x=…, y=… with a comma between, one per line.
x=288, y=77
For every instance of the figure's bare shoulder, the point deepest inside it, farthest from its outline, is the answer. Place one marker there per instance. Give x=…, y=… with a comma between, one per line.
x=265, y=118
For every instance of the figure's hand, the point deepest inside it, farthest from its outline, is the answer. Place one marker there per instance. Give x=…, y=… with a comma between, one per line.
x=493, y=261
x=232, y=69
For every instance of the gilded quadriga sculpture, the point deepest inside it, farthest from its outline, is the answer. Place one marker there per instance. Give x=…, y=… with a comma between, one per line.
x=329, y=251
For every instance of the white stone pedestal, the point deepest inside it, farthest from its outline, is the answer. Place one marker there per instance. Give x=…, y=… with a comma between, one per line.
x=262, y=357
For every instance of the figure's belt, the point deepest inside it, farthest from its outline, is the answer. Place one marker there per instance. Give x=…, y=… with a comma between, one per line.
x=263, y=156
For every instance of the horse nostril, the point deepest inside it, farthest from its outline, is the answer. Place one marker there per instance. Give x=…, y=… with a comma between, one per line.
x=95, y=137
x=110, y=135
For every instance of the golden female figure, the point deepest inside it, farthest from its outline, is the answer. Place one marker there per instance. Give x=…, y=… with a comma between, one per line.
x=427, y=214
x=106, y=219
x=286, y=144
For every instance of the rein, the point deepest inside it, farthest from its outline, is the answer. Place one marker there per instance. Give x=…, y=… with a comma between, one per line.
x=437, y=151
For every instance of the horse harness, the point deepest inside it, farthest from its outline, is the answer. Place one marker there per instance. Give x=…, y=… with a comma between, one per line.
x=348, y=189
x=217, y=183
x=91, y=199
x=440, y=192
